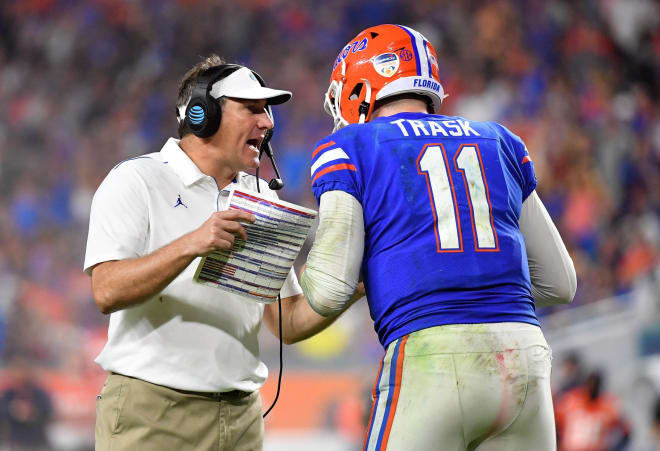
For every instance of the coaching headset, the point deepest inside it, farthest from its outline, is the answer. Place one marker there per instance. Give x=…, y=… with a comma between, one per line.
x=203, y=113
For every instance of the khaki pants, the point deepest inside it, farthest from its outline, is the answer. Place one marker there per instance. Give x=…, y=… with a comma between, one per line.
x=135, y=415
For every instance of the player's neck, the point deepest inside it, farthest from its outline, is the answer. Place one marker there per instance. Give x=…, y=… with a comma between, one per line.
x=400, y=106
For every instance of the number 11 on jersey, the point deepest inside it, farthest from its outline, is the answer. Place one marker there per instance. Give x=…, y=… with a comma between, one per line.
x=432, y=163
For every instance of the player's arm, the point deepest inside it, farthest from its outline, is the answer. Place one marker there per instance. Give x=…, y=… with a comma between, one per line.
x=299, y=320
x=119, y=284
x=330, y=280
x=333, y=265
x=550, y=266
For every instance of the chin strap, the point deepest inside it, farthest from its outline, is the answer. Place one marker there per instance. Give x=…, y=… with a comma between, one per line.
x=363, y=109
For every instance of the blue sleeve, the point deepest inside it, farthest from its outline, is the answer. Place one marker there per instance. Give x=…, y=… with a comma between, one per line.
x=522, y=160
x=335, y=167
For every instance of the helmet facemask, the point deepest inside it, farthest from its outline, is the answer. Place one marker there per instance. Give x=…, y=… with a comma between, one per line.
x=332, y=104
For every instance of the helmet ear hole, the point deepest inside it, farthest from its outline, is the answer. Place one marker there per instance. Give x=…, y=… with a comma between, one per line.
x=355, y=93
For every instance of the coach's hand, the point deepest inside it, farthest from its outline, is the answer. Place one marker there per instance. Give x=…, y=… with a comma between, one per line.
x=118, y=284
x=218, y=232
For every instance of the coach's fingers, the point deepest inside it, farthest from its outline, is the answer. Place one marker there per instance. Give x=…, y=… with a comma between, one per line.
x=234, y=227
x=236, y=215
x=223, y=240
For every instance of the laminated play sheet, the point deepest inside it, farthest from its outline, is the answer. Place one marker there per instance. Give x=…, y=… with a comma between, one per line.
x=258, y=267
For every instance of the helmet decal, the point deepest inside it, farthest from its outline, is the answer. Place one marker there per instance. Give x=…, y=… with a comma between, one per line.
x=386, y=64
x=405, y=54
x=356, y=46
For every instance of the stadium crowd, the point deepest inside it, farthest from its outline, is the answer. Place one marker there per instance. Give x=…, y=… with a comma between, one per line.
x=84, y=84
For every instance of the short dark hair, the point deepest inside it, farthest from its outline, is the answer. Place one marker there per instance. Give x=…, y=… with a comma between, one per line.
x=186, y=87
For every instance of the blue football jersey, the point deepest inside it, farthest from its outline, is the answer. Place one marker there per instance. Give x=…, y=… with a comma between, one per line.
x=441, y=198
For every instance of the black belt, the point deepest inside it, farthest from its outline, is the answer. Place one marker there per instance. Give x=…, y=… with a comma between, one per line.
x=227, y=395
x=224, y=395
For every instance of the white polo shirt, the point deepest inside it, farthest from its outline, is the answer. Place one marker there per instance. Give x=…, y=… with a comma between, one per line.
x=189, y=336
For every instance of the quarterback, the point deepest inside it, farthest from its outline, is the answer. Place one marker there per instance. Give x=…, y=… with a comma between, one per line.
x=440, y=217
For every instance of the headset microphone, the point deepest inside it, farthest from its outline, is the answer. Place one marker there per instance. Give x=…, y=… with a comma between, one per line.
x=276, y=183
x=265, y=147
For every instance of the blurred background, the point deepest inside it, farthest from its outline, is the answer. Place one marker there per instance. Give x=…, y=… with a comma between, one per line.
x=86, y=84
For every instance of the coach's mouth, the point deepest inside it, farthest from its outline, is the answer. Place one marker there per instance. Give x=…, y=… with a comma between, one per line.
x=253, y=144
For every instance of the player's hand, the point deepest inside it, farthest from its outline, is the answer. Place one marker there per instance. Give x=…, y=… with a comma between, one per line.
x=219, y=231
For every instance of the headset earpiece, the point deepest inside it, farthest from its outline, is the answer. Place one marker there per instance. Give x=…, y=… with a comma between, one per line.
x=204, y=113
x=203, y=116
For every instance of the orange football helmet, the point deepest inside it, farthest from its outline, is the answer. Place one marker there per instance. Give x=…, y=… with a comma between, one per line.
x=380, y=62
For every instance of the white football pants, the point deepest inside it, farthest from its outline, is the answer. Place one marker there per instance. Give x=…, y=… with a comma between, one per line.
x=483, y=387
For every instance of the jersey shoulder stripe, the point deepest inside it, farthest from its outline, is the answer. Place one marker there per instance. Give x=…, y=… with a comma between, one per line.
x=337, y=163
x=321, y=147
x=328, y=156
x=333, y=168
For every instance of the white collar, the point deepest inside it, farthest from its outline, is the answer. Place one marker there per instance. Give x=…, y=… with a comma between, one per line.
x=180, y=162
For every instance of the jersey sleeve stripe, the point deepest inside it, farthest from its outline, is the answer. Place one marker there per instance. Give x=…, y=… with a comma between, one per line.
x=327, y=157
x=334, y=167
x=321, y=147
